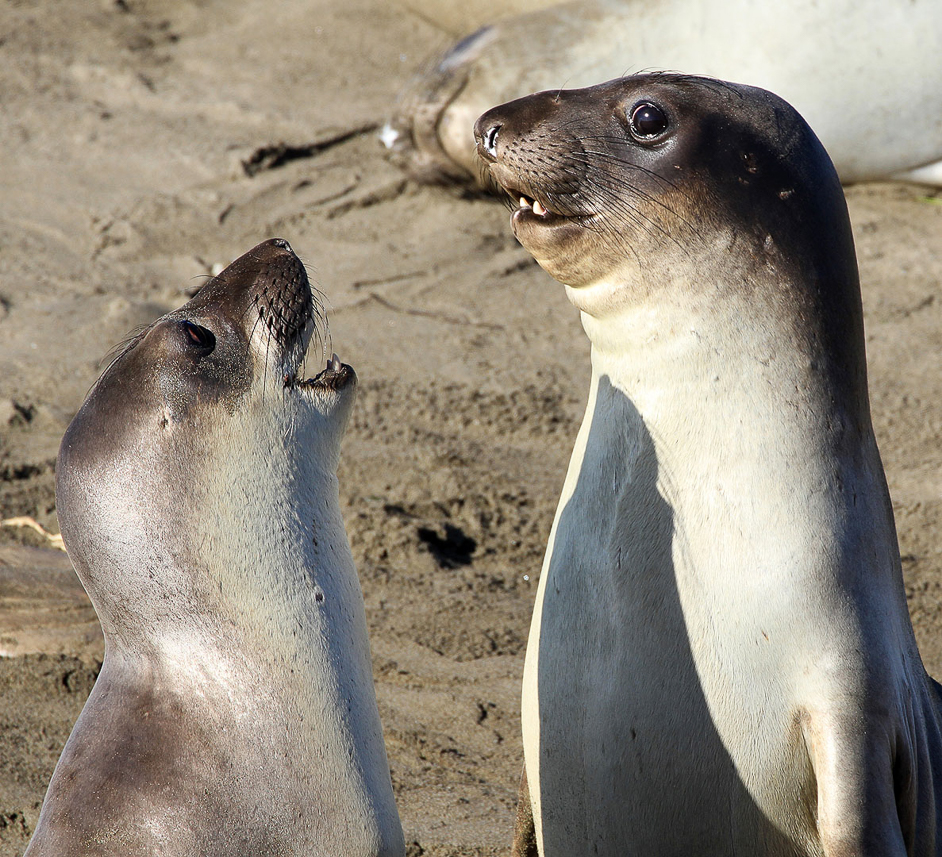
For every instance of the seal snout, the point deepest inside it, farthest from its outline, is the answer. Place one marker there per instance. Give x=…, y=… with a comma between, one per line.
x=282, y=292
x=486, y=136
x=515, y=147
x=288, y=306
x=267, y=296
x=494, y=132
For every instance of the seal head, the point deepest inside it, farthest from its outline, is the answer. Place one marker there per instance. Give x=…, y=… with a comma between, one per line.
x=623, y=190
x=197, y=497
x=192, y=384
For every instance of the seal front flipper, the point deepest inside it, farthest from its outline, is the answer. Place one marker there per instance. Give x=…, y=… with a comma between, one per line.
x=857, y=804
x=876, y=779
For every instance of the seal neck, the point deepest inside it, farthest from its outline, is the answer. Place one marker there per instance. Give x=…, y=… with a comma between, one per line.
x=721, y=392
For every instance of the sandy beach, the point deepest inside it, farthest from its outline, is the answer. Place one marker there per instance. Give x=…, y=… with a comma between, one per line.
x=144, y=143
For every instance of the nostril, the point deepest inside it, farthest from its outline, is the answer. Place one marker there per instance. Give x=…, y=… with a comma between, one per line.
x=490, y=140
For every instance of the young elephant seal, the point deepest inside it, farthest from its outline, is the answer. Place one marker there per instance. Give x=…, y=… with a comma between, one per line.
x=865, y=73
x=721, y=660
x=235, y=712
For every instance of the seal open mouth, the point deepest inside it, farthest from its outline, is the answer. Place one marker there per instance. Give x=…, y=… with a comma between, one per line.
x=534, y=205
x=335, y=376
x=531, y=210
x=544, y=213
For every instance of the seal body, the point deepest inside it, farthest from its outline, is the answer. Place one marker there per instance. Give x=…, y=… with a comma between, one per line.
x=196, y=489
x=866, y=75
x=721, y=660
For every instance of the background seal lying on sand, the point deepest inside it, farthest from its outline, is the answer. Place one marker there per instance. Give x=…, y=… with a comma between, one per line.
x=866, y=75
x=721, y=660
x=196, y=488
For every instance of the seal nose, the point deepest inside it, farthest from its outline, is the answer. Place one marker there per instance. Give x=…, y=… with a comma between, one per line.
x=486, y=135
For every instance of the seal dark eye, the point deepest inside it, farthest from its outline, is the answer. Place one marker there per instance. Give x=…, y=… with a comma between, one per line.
x=647, y=120
x=198, y=337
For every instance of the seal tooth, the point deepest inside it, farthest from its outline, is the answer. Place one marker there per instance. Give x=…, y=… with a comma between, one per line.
x=524, y=202
x=538, y=209
x=334, y=363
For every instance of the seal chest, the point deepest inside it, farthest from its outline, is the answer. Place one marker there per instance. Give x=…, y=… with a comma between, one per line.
x=197, y=496
x=721, y=659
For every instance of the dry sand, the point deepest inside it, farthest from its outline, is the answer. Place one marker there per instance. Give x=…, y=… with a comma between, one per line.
x=126, y=130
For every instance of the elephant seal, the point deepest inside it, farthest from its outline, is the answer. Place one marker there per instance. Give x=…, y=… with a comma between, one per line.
x=235, y=712
x=721, y=660
x=865, y=74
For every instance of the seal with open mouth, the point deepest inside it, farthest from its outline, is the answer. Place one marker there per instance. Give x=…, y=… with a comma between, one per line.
x=864, y=73
x=721, y=660
x=235, y=712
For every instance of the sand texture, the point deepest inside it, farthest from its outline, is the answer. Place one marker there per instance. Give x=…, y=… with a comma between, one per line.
x=145, y=142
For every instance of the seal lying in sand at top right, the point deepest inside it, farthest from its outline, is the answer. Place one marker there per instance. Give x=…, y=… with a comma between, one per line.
x=867, y=74
x=197, y=493
x=721, y=660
